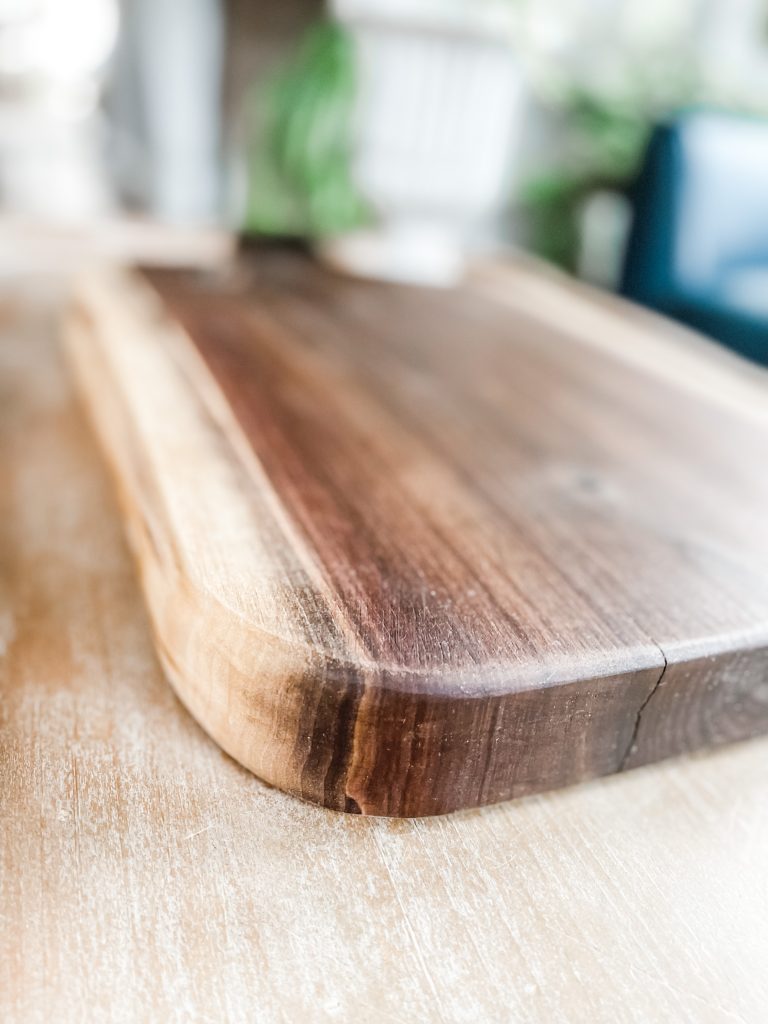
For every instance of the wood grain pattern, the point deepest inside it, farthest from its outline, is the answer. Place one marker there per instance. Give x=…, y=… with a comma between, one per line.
x=144, y=876
x=411, y=551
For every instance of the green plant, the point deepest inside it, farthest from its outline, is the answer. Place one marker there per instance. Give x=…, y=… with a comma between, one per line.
x=603, y=132
x=603, y=146
x=299, y=175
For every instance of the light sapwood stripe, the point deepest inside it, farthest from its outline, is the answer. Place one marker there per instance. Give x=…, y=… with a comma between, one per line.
x=230, y=530
x=644, y=340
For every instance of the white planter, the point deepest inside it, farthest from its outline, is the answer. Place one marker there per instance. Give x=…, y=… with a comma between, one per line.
x=439, y=113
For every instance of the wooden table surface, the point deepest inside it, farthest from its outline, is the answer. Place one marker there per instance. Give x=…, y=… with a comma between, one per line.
x=145, y=876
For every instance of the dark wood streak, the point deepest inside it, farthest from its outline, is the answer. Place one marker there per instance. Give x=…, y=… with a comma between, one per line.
x=329, y=726
x=526, y=562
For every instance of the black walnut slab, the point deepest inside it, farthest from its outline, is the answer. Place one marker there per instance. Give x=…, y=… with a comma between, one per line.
x=408, y=551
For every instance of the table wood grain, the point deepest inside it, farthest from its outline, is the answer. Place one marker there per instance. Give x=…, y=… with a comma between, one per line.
x=408, y=551
x=145, y=876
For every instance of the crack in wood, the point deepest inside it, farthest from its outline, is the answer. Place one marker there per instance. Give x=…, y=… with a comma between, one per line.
x=636, y=728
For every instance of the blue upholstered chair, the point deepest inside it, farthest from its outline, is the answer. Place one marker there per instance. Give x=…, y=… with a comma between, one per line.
x=698, y=248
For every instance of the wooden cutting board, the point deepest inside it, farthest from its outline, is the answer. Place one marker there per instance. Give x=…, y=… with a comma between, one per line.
x=407, y=551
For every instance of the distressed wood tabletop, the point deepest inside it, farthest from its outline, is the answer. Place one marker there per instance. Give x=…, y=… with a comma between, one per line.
x=145, y=876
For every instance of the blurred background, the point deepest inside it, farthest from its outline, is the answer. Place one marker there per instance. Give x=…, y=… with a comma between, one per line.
x=625, y=141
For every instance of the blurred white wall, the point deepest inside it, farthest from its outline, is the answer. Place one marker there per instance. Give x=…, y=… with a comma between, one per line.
x=53, y=57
